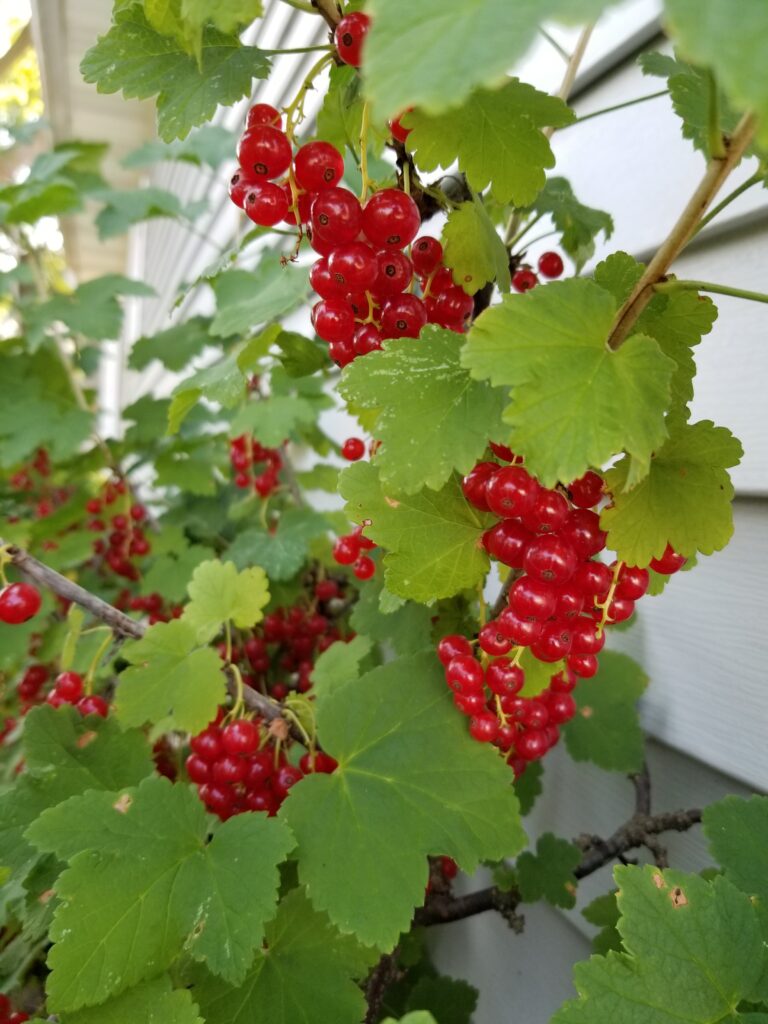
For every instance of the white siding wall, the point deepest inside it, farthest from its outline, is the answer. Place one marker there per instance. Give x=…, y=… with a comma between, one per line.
x=702, y=642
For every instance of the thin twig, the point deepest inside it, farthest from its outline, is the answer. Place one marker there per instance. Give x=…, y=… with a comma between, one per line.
x=642, y=782
x=330, y=11
x=379, y=980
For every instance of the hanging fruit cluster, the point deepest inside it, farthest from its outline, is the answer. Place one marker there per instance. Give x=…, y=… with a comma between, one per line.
x=245, y=453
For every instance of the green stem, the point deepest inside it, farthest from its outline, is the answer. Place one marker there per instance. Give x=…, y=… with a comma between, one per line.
x=538, y=238
x=298, y=49
x=302, y=5
x=617, y=106
x=714, y=134
x=756, y=178
x=709, y=286
x=554, y=43
x=523, y=231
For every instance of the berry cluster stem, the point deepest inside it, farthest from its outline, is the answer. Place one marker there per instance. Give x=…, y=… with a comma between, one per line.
x=364, y=125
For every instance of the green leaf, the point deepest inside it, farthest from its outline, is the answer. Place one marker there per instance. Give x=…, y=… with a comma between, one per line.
x=473, y=249
x=433, y=538
x=274, y=419
x=528, y=786
x=219, y=593
x=410, y=383
x=575, y=402
x=140, y=62
x=223, y=382
x=339, y=119
x=170, y=574
x=91, y=309
x=410, y=782
x=188, y=469
x=305, y=973
x=211, y=145
x=172, y=679
x=603, y=912
x=685, y=500
x=496, y=136
x=450, y=1000
x=125, y=208
x=407, y=628
x=116, y=925
x=693, y=952
x=577, y=224
x=65, y=754
x=246, y=298
x=194, y=15
x=338, y=665
x=282, y=552
x=737, y=832
x=734, y=50
x=402, y=67
x=548, y=874
x=300, y=356
x=152, y=1002
x=605, y=729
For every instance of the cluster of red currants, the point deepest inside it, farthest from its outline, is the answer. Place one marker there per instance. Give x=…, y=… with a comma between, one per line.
x=154, y=604
x=558, y=607
x=348, y=550
x=33, y=482
x=550, y=265
x=236, y=769
x=245, y=452
x=68, y=688
x=123, y=538
x=279, y=655
x=19, y=602
x=7, y=1013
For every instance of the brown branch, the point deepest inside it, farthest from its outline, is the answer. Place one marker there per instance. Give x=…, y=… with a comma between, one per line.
x=330, y=10
x=125, y=627
x=642, y=782
x=717, y=171
x=381, y=977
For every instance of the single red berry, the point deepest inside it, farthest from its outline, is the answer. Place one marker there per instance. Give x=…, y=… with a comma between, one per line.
x=426, y=255
x=93, y=705
x=93, y=506
x=523, y=280
x=582, y=665
x=346, y=550
x=670, y=562
x=261, y=767
x=285, y=777
x=448, y=868
x=620, y=609
x=464, y=674
x=319, y=762
x=218, y=799
x=403, y=316
x=227, y=770
x=453, y=645
x=354, y=266
x=198, y=770
x=391, y=219
x=399, y=131
x=19, y=602
x=562, y=708
x=531, y=598
x=484, y=728
x=261, y=800
x=593, y=579
x=503, y=678
x=562, y=682
x=471, y=703
x=633, y=582
x=505, y=453
x=349, y=35
x=522, y=632
x=263, y=113
x=570, y=601
x=336, y=216
x=69, y=686
x=492, y=641
x=587, y=491
x=585, y=638
x=318, y=165
x=264, y=152
x=508, y=541
x=512, y=492
x=266, y=204
x=364, y=567
x=353, y=449
x=341, y=352
x=207, y=744
x=535, y=714
x=548, y=512
x=395, y=272
x=240, y=737
x=550, y=264
x=582, y=531
x=453, y=309
x=326, y=590
x=333, y=320
x=367, y=338
x=476, y=481
x=240, y=185
x=531, y=744
x=554, y=642
x=551, y=559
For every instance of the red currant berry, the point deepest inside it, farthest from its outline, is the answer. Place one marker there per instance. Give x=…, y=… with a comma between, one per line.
x=512, y=492
x=391, y=219
x=323, y=282
x=395, y=273
x=620, y=609
x=548, y=512
x=585, y=638
x=587, y=491
x=399, y=131
x=364, y=567
x=582, y=665
x=341, y=352
x=266, y=204
x=239, y=187
x=475, y=483
x=260, y=768
x=553, y=644
x=471, y=703
x=669, y=562
x=492, y=641
x=582, y=531
x=593, y=579
x=218, y=799
x=318, y=165
x=19, y=602
x=531, y=744
x=326, y=590
x=550, y=264
x=285, y=777
x=207, y=744
x=464, y=674
x=562, y=708
x=93, y=705
x=524, y=280
x=563, y=682
x=453, y=309
x=453, y=645
x=426, y=255
x=403, y=317
x=633, y=582
x=349, y=35
x=354, y=265
x=228, y=770
x=507, y=541
x=263, y=113
x=535, y=714
x=198, y=770
x=346, y=550
x=551, y=559
x=333, y=320
x=240, y=737
x=503, y=452
x=484, y=728
x=336, y=216
x=570, y=601
x=319, y=763
x=531, y=598
x=503, y=678
x=264, y=152
x=69, y=686
x=353, y=449
x=522, y=632
x=367, y=338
